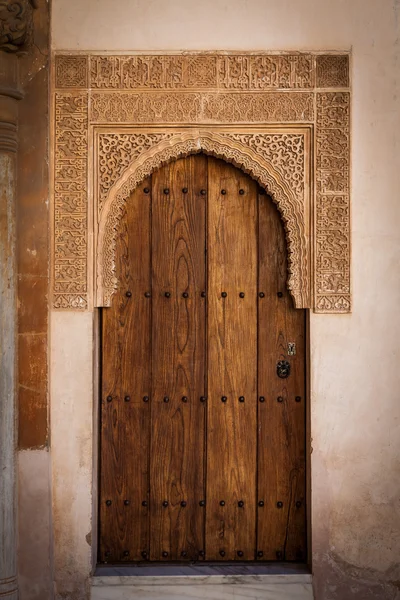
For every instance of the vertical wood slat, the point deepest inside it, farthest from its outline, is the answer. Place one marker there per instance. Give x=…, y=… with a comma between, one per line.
x=281, y=425
x=178, y=356
x=232, y=364
x=126, y=373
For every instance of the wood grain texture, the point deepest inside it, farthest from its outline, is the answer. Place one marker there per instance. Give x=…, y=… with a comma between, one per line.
x=178, y=356
x=281, y=424
x=232, y=364
x=126, y=373
x=176, y=344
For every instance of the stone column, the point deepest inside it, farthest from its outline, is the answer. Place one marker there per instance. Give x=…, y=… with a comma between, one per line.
x=15, y=34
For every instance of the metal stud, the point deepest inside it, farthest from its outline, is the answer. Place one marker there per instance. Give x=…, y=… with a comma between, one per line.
x=262, y=295
x=240, y=504
x=279, y=504
x=146, y=190
x=261, y=503
x=260, y=554
x=185, y=295
x=280, y=294
x=144, y=503
x=224, y=398
x=108, y=502
x=279, y=554
x=262, y=399
x=298, y=398
x=279, y=399
x=165, y=554
x=222, y=503
x=147, y=294
x=144, y=554
x=167, y=294
x=165, y=503
x=145, y=398
x=223, y=192
x=184, y=554
x=183, y=503
x=166, y=191
x=203, y=294
x=126, y=502
x=241, y=398
x=224, y=294
x=240, y=553
x=241, y=295
x=222, y=553
x=128, y=294
x=202, y=503
x=109, y=398
x=241, y=192
x=126, y=552
x=203, y=398
x=184, y=190
x=203, y=192
x=127, y=399
x=298, y=504
x=184, y=398
x=202, y=553
x=166, y=399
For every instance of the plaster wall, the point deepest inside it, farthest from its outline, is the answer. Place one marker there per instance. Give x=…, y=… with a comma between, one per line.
x=355, y=408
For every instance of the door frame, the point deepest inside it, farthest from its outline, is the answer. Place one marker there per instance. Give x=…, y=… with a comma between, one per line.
x=213, y=91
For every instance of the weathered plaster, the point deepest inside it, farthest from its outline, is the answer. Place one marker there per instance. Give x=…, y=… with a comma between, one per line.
x=34, y=525
x=71, y=455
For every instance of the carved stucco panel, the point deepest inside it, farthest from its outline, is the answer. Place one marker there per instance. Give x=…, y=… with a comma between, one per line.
x=207, y=107
x=205, y=90
x=255, y=154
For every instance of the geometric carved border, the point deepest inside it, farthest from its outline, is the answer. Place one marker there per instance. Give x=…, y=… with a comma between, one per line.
x=284, y=118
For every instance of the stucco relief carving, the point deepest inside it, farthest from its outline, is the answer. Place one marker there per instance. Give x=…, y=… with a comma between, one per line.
x=332, y=209
x=190, y=71
x=117, y=151
x=70, y=201
x=256, y=154
x=207, y=107
x=201, y=91
x=16, y=24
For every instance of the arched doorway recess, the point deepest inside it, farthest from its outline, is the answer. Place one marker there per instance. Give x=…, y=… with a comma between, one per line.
x=203, y=376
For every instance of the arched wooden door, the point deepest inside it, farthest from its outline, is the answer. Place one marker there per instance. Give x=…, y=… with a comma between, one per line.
x=203, y=377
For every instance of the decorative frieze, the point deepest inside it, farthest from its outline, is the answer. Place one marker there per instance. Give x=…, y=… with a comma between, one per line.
x=70, y=201
x=134, y=111
x=244, y=72
x=332, y=231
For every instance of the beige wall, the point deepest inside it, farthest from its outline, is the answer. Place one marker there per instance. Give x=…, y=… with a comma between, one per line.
x=355, y=397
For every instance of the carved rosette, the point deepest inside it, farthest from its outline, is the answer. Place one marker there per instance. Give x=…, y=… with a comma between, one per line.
x=181, y=104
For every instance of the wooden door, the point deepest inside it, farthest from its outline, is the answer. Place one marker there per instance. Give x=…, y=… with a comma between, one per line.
x=202, y=437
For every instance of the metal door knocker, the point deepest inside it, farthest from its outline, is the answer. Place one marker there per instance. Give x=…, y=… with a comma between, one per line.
x=283, y=369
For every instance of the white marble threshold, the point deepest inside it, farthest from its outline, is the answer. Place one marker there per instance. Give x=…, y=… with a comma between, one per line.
x=199, y=587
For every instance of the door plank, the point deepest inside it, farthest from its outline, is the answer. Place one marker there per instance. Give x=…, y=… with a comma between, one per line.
x=281, y=424
x=126, y=373
x=177, y=445
x=232, y=364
